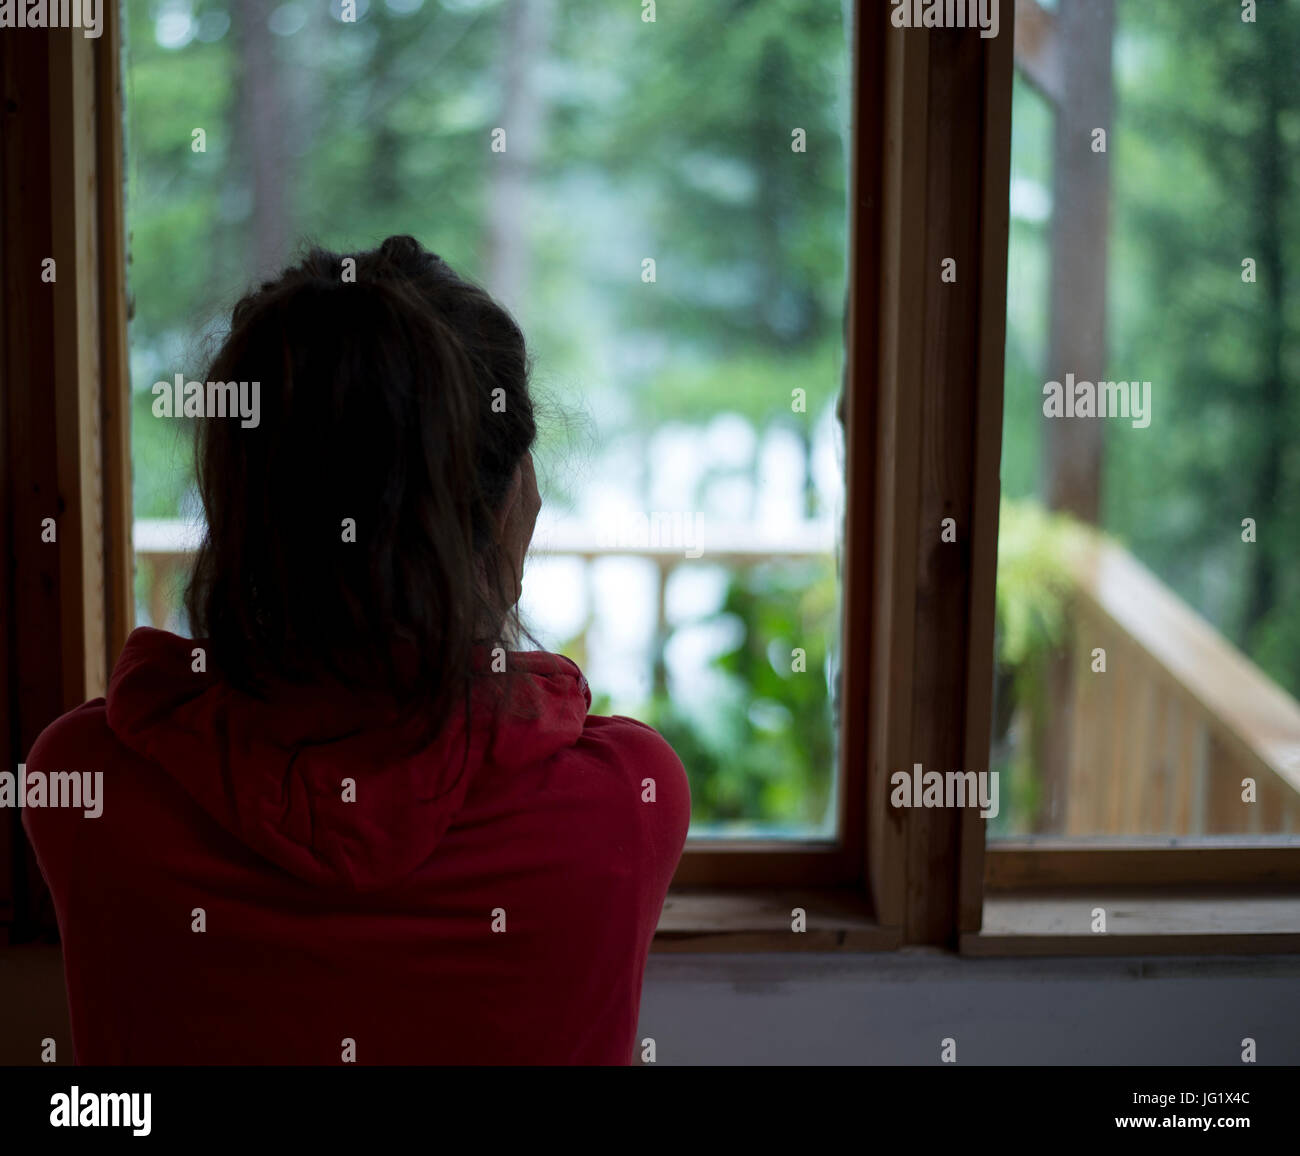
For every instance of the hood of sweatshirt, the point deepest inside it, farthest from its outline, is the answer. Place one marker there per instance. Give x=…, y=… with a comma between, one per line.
x=319, y=781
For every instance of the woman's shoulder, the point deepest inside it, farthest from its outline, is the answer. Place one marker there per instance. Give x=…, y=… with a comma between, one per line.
x=637, y=739
x=82, y=732
x=643, y=758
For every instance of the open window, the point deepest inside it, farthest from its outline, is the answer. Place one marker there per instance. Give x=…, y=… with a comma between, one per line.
x=667, y=215
x=796, y=520
x=1145, y=715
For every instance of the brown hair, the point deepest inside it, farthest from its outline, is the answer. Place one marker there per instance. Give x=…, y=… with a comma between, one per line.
x=400, y=400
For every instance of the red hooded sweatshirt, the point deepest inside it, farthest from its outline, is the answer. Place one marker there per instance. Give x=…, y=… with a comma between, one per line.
x=283, y=882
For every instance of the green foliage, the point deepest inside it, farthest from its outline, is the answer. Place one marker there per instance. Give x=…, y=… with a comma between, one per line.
x=1036, y=553
x=1203, y=174
x=1206, y=176
x=1034, y=580
x=764, y=748
x=759, y=386
x=669, y=141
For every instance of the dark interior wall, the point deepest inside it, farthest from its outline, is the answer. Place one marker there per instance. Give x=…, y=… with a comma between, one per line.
x=33, y=1006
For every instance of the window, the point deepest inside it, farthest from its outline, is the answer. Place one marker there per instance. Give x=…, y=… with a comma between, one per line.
x=1146, y=680
x=665, y=211
x=948, y=567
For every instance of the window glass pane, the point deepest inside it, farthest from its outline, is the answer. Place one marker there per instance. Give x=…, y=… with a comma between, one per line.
x=1148, y=602
x=662, y=203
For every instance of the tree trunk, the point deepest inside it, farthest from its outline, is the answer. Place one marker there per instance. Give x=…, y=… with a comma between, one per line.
x=1072, y=447
x=528, y=23
x=1080, y=223
x=260, y=130
x=1270, y=195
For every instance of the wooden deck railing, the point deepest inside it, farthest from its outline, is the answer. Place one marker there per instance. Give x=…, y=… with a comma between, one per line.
x=1157, y=745
x=1161, y=742
x=164, y=548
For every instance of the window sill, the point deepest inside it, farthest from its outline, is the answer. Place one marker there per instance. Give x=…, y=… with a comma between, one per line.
x=1165, y=921
x=1186, y=921
x=754, y=919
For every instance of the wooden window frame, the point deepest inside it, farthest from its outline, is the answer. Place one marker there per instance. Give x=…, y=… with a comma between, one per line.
x=923, y=418
x=64, y=403
x=924, y=424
